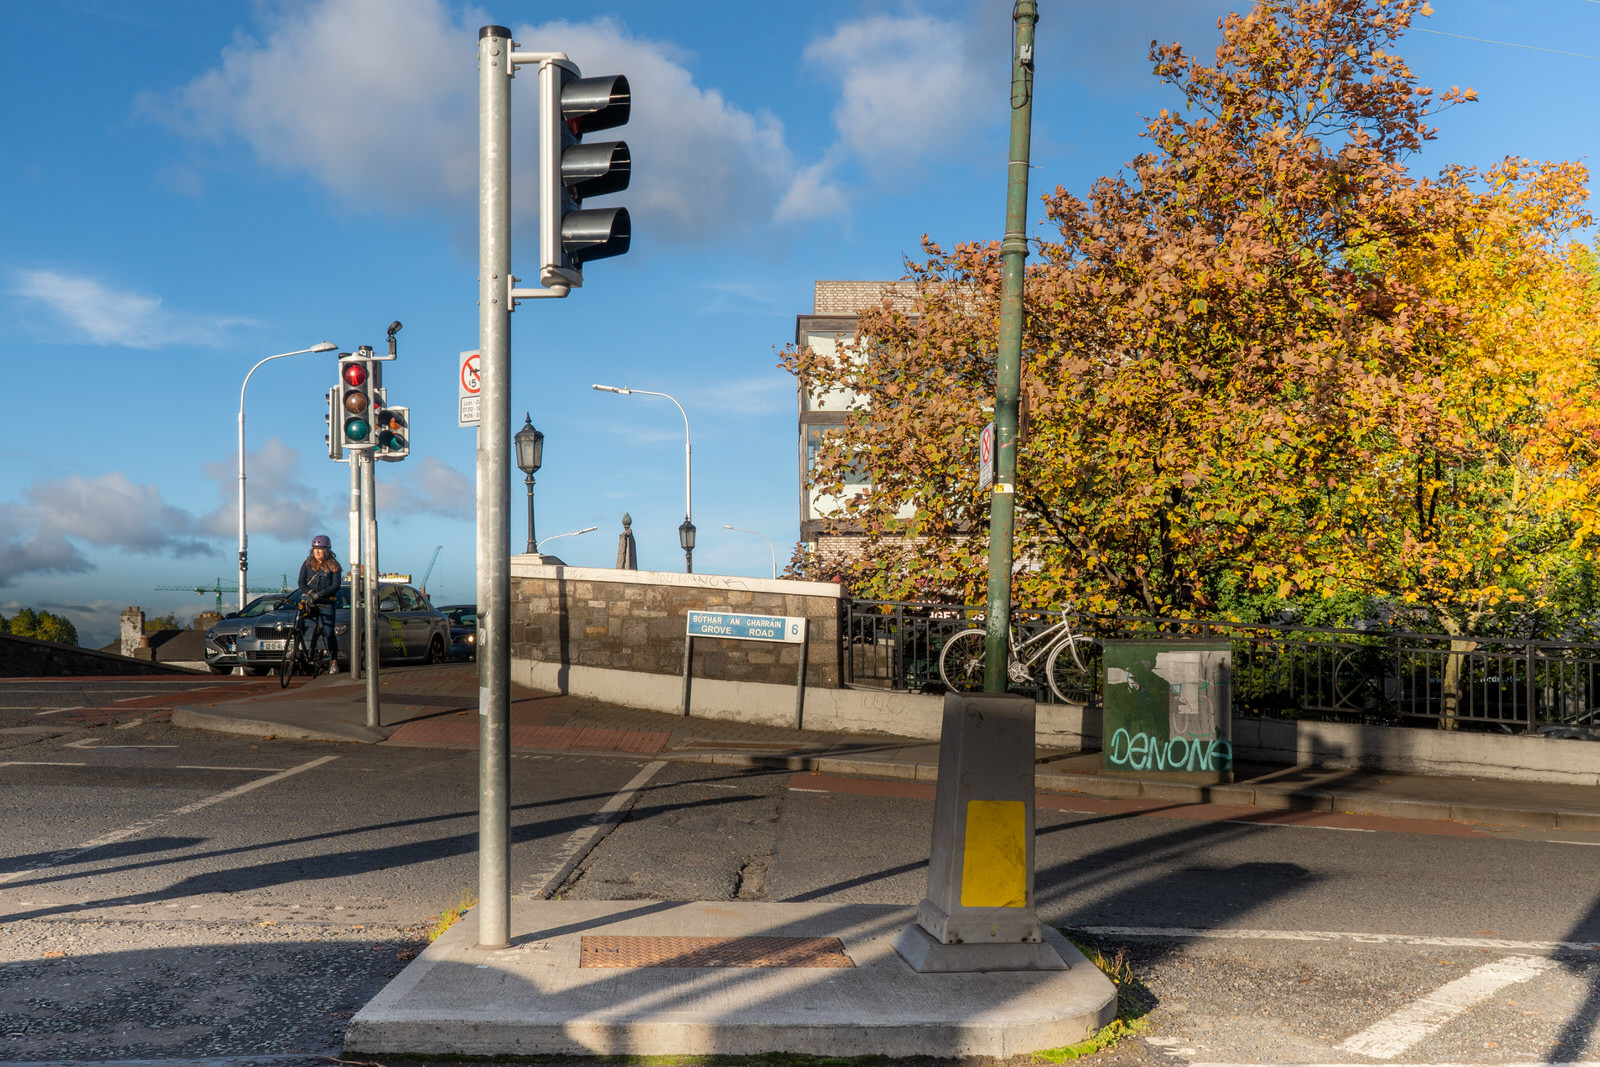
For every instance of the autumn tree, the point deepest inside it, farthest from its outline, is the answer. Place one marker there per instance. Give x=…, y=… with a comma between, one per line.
x=1220, y=342
x=41, y=626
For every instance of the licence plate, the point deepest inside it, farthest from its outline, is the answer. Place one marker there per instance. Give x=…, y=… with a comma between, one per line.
x=273, y=646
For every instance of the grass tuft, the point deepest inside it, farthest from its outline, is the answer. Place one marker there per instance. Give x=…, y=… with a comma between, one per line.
x=451, y=915
x=1134, y=1001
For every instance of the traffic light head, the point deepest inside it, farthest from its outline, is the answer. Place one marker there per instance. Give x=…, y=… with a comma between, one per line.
x=355, y=401
x=393, y=441
x=571, y=172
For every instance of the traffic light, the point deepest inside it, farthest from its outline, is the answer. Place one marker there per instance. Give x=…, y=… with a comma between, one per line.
x=394, y=433
x=570, y=172
x=335, y=421
x=356, y=388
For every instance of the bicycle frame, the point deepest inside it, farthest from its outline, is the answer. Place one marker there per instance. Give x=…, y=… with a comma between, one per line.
x=1040, y=643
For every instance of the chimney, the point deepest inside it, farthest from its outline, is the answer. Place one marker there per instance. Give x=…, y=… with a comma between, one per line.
x=132, y=630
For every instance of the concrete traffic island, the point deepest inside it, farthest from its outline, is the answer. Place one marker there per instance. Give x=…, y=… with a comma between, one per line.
x=649, y=978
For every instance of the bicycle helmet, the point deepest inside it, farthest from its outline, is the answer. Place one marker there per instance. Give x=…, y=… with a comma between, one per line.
x=321, y=541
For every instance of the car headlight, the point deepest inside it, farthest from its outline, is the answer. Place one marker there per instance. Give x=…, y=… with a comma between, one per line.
x=471, y=638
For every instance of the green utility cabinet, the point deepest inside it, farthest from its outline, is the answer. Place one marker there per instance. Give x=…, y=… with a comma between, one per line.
x=1167, y=709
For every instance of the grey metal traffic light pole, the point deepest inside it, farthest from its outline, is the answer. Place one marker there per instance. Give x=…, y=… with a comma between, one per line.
x=493, y=470
x=568, y=237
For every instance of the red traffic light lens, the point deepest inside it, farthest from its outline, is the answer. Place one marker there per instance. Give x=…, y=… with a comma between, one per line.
x=354, y=374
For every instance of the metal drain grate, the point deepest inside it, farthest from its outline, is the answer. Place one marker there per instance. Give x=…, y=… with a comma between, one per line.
x=604, y=950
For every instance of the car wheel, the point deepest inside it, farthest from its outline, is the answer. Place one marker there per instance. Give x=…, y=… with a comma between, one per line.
x=435, y=650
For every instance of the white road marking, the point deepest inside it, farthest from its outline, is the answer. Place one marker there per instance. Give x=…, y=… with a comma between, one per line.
x=140, y=827
x=1391, y=1037
x=40, y=763
x=127, y=725
x=583, y=839
x=1555, y=841
x=92, y=742
x=1187, y=933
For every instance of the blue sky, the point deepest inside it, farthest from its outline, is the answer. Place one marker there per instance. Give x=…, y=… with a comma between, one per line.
x=189, y=186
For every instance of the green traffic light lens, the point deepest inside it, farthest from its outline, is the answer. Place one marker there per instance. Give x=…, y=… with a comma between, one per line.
x=356, y=429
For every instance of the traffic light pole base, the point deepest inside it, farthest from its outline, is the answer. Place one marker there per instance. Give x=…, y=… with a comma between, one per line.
x=926, y=954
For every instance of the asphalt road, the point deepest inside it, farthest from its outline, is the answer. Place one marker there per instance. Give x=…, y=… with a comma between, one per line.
x=170, y=896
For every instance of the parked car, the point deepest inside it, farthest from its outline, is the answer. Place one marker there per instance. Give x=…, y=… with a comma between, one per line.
x=221, y=654
x=410, y=630
x=463, y=630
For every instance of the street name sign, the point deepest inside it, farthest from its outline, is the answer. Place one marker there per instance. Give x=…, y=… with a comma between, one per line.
x=741, y=627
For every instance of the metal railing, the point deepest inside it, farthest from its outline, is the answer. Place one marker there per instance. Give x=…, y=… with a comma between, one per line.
x=1283, y=671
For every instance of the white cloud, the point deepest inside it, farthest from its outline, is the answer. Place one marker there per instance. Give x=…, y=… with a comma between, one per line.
x=24, y=550
x=394, y=122
x=111, y=511
x=431, y=486
x=812, y=194
x=42, y=534
x=99, y=314
x=279, y=500
x=908, y=89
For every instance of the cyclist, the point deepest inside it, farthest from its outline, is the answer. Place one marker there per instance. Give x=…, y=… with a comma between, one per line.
x=320, y=577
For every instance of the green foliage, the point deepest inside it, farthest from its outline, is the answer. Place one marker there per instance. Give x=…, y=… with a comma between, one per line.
x=41, y=626
x=1134, y=1001
x=169, y=621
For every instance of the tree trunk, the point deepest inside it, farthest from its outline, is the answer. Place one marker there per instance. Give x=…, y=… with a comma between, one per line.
x=1453, y=684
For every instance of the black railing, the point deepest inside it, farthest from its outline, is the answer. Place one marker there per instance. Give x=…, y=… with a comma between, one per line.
x=1283, y=671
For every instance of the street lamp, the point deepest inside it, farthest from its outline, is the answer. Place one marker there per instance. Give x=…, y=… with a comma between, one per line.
x=244, y=565
x=530, y=454
x=685, y=531
x=763, y=537
x=571, y=533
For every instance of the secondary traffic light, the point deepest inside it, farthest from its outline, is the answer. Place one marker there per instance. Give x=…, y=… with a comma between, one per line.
x=334, y=418
x=570, y=172
x=355, y=391
x=394, y=433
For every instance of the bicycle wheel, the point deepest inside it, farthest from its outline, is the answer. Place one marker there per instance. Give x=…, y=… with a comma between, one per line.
x=291, y=653
x=316, y=653
x=1069, y=669
x=961, y=662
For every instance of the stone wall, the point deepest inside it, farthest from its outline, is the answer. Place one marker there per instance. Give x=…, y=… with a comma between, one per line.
x=635, y=621
x=23, y=657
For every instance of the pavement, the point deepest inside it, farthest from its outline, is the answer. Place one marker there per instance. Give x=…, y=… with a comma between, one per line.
x=744, y=978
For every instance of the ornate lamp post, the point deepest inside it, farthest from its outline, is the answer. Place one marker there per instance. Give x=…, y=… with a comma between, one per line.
x=530, y=455
x=686, y=539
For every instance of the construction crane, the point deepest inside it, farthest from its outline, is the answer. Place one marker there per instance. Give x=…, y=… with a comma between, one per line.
x=429, y=571
x=218, y=588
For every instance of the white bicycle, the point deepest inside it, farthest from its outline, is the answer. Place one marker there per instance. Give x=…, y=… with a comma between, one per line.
x=1067, y=657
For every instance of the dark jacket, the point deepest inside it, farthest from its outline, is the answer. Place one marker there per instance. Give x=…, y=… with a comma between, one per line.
x=322, y=585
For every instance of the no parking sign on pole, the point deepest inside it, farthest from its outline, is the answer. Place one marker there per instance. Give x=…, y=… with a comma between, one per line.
x=467, y=382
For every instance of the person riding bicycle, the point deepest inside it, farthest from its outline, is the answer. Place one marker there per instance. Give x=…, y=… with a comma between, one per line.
x=320, y=578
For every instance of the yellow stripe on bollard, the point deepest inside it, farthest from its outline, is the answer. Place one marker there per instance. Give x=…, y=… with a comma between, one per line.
x=994, y=863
